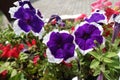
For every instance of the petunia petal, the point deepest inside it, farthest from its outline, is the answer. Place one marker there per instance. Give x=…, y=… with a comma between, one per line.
x=69, y=50
x=115, y=31
x=97, y=16
x=51, y=58
x=36, y=24
x=67, y=38
x=81, y=43
x=12, y=11
x=60, y=53
x=25, y=27
x=16, y=28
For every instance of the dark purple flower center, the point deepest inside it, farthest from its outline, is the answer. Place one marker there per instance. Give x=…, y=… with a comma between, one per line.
x=86, y=36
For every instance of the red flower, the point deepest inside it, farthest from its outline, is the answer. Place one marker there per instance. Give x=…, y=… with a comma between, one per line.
x=32, y=43
x=72, y=29
x=35, y=59
x=20, y=46
x=110, y=12
x=14, y=52
x=3, y=74
x=53, y=22
x=5, y=50
x=8, y=51
x=69, y=65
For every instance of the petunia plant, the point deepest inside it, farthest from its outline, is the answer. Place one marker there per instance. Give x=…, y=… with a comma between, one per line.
x=84, y=48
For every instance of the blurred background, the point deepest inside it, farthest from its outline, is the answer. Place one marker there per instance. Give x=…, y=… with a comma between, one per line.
x=59, y=7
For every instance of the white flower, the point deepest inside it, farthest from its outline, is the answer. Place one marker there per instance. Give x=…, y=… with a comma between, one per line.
x=75, y=78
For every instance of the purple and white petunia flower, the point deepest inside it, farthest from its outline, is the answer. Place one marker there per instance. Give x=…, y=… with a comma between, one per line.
x=60, y=46
x=86, y=36
x=27, y=18
x=97, y=16
x=57, y=19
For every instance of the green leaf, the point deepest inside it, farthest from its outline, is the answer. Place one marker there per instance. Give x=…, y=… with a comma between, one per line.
x=97, y=72
x=115, y=64
x=5, y=66
x=96, y=55
x=106, y=74
x=2, y=69
x=23, y=56
x=19, y=76
x=107, y=60
x=14, y=72
x=110, y=54
x=94, y=64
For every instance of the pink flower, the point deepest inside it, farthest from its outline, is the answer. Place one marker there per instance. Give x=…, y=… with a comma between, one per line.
x=101, y=4
x=117, y=4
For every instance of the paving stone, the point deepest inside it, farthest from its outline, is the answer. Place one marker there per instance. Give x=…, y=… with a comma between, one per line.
x=64, y=7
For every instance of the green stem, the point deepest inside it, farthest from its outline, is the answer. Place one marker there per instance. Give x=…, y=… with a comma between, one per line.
x=79, y=70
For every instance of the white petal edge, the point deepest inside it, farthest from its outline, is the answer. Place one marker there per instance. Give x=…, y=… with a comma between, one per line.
x=26, y=6
x=12, y=11
x=117, y=19
x=51, y=58
x=111, y=19
x=84, y=52
x=16, y=3
x=47, y=36
x=64, y=31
